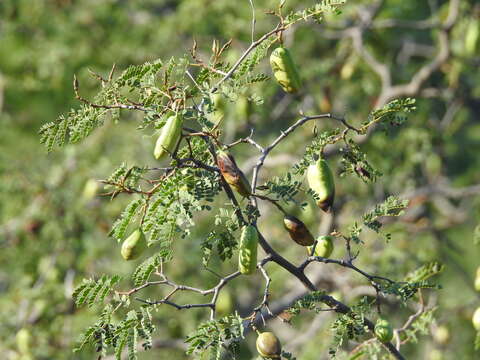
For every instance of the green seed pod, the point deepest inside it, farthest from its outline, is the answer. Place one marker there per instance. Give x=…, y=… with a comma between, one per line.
x=169, y=137
x=441, y=335
x=472, y=35
x=225, y=303
x=90, y=189
x=320, y=180
x=134, y=245
x=268, y=345
x=476, y=319
x=285, y=70
x=477, y=280
x=383, y=330
x=232, y=174
x=298, y=231
x=247, y=255
x=324, y=247
x=218, y=103
x=435, y=354
x=23, y=339
x=242, y=108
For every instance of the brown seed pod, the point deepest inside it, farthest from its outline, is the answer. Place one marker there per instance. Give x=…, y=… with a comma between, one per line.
x=298, y=231
x=268, y=345
x=232, y=173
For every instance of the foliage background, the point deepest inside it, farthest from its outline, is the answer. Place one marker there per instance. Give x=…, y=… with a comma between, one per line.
x=51, y=237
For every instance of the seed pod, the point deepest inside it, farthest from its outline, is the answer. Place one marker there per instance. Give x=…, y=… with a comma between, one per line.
x=472, y=34
x=477, y=280
x=242, y=108
x=134, y=245
x=476, y=319
x=362, y=172
x=285, y=70
x=320, y=180
x=298, y=231
x=232, y=174
x=225, y=303
x=90, y=189
x=247, y=255
x=218, y=104
x=441, y=335
x=324, y=247
x=168, y=139
x=23, y=339
x=383, y=330
x=268, y=345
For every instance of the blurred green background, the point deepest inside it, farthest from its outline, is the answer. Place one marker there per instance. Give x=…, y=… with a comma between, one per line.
x=53, y=234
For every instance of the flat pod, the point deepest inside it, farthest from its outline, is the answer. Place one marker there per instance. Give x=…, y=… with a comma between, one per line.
x=321, y=181
x=169, y=136
x=247, y=254
x=324, y=247
x=298, y=231
x=268, y=345
x=232, y=173
x=134, y=245
x=285, y=70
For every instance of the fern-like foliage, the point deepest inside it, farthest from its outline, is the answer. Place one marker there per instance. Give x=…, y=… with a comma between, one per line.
x=420, y=326
x=74, y=126
x=210, y=336
x=284, y=188
x=94, y=291
x=139, y=75
x=392, y=206
x=425, y=272
x=120, y=226
x=406, y=290
x=313, y=151
x=392, y=114
x=350, y=326
x=308, y=302
x=354, y=161
x=119, y=336
x=143, y=272
x=316, y=12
